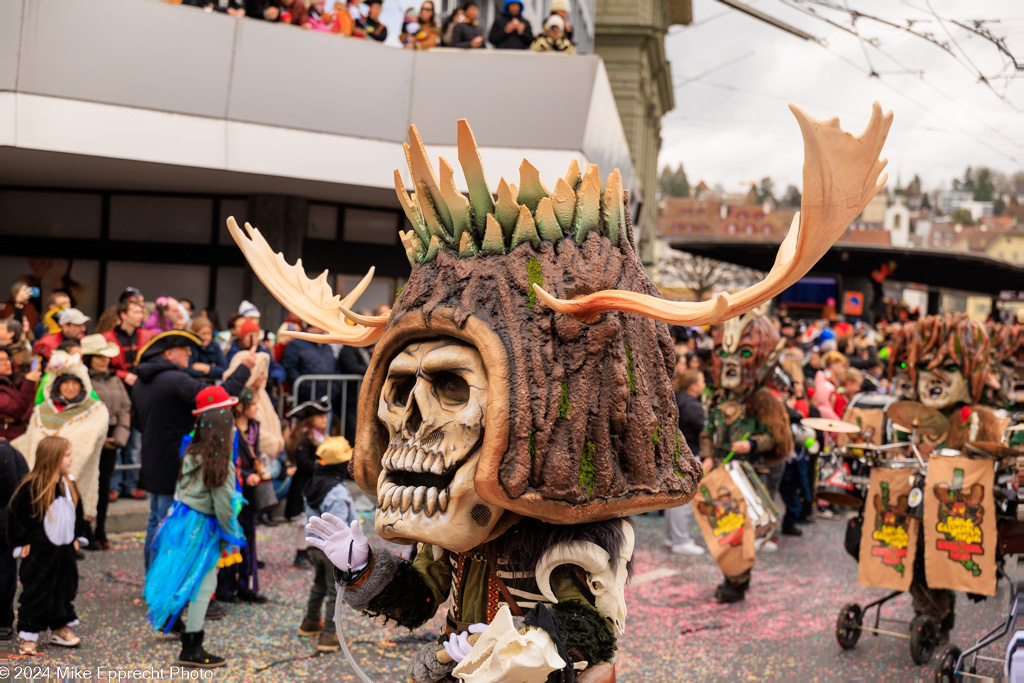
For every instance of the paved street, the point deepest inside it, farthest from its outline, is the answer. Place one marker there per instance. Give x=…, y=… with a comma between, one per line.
x=784, y=630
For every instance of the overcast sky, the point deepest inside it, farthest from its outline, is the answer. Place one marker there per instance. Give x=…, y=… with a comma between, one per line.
x=734, y=74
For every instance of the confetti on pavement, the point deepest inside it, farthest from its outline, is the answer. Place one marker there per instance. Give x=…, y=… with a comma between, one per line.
x=783, y=631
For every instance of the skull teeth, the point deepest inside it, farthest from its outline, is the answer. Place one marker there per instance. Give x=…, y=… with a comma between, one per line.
x=410, y=458
x=425, y=499
x=417, y=465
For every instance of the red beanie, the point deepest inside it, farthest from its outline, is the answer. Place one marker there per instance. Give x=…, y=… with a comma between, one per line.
x=248, y=327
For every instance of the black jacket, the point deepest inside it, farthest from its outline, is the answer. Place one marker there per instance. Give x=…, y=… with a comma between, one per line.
x=13, y=469
x=163, y=400
x=464, y=33
x=303, y=357
x=691, y=419
x=512, y=40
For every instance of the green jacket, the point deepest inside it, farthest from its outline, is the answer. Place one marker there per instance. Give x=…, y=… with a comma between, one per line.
x=213, y=502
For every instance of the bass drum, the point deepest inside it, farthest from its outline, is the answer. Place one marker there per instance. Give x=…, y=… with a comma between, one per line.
x=867, y=411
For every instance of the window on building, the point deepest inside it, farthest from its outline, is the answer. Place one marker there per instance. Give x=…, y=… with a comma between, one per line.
x=157, y=218
x=369, y=225
x=323, y=222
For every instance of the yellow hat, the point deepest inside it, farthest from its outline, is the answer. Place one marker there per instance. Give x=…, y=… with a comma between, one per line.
x=334, y=450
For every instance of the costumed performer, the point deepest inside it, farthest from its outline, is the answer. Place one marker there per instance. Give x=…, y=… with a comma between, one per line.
x=518, y=403
x=201, y=531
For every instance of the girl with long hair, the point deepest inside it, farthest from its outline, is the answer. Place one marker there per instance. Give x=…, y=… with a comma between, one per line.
x=201, y=531
x=46, y=526
x=309, y=432
x=241, y=581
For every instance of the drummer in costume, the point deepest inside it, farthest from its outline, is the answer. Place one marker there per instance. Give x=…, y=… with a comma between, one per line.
x=950, y=365
x=746, y=419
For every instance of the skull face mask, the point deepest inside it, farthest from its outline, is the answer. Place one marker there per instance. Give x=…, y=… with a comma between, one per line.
x=432, y=405
x=941, y=387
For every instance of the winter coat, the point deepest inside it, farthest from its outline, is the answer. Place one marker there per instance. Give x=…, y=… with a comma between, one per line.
x=352, y=361
x=13, y=469
x=691, y=418
x=15, y=407
x=163, y=400
x=84, y=424
x=464, y=32
x=304, y=459
x=824, y=396
x=129, y=346
x=111, y=391
x=303, y=357
x=512, y=40
x=544, y=43
x=275, y=372
x=212, y=356
x=212, y=502
x=337, y=501
x=271, y=439
x=48, y=344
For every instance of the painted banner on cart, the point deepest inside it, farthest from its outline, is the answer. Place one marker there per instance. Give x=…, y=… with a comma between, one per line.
x=888, y=543
x=960, y=524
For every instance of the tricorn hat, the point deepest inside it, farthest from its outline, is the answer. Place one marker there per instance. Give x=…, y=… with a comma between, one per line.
x=168, y=340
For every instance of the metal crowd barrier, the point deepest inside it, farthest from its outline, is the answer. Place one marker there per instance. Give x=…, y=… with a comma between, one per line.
x=291, y=401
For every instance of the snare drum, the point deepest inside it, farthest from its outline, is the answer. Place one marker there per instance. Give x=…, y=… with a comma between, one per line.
x=761, y=509
x=867, y=411
x=838, y=484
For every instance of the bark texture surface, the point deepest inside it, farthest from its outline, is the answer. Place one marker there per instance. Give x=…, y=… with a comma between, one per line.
x=592, y=419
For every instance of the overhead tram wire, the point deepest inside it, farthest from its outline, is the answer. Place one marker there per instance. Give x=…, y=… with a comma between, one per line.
x=920, y=77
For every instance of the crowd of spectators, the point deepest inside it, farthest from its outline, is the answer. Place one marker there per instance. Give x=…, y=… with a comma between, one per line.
x=421, y=30
x=125, y=394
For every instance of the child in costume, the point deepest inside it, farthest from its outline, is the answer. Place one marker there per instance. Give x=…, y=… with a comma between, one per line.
x=200, y=533
x=518, y=403
x=326, y=493
x=306, y=436
x=241, y=581
x=46, y=526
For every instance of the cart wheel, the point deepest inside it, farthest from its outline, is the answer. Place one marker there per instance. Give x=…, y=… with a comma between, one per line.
x=848, y=625
x=947, y=672
x=924, y=635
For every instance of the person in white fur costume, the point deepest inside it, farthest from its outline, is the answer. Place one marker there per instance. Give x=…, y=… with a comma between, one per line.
x=70, y=410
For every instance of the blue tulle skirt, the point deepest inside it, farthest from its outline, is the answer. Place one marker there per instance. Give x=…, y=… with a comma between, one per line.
x=187, y=546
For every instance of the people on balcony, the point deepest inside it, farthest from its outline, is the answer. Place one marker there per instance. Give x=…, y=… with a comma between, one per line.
x=553, y=39
x=468, y=33
x=422, y=33
x=511, y=30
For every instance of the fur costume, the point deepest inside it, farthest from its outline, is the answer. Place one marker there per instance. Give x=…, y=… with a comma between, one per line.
x=518, y=401
x=83, y=424
x=49, y=575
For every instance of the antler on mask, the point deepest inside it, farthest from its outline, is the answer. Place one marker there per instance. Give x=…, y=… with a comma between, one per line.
x=313, y=301
x=841, y=175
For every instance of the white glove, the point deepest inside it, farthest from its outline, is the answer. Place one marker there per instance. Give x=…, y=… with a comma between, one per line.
x=458, y=645
x=346, y=546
